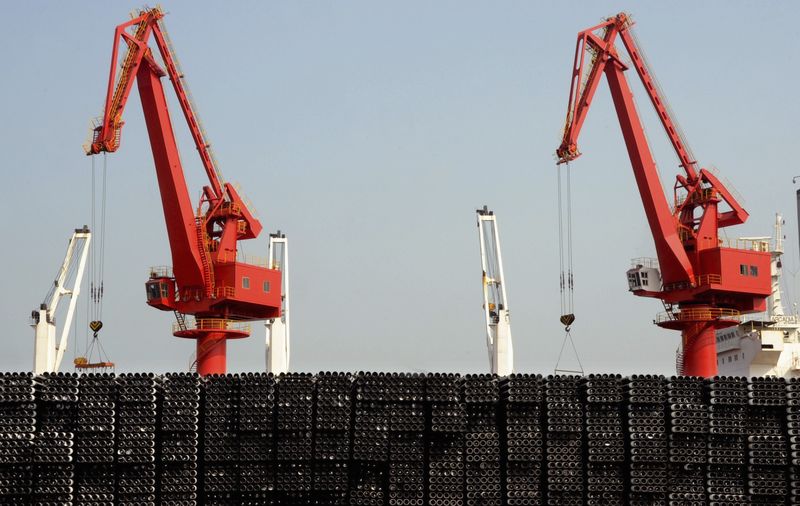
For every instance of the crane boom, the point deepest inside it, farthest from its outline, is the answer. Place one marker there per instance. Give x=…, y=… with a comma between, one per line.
x=703, y=284
x=47, y=353
x=207, y=278
x=495, y=303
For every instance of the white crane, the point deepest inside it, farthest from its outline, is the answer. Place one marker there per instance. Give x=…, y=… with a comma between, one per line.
x=278, y=328
x=495, y=303
x=47, y=354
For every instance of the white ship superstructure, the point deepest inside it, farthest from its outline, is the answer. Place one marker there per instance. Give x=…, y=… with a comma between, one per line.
x=769, y=344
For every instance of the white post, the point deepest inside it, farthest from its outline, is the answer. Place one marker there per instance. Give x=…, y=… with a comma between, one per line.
x=774, y=302
x=47, y=355
x=495, y=302
x=277, y=329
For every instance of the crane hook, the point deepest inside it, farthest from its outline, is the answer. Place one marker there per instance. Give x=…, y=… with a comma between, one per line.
x=95, y=325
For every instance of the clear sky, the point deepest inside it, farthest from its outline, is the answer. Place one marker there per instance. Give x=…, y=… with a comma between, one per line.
x=369, y=132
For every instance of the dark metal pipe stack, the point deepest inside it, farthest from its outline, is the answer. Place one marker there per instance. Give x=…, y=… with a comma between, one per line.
x=54, y=444
x=688, y=440
x=767, y=444
x=647, y=439
x=95, y=440
x=564, y=440
x=373, y=400
x=137, y=415
x=406, y=440
x=334, y=405
x=397, y=439
x=295, y=423
x=448, y=420
x=179, y=439
x=605, y=440
x=523, y=404
x=727, y=442
x=257, y=441
x=220, y=445
x=793, y=431
x=482, y=440
x=17, y=432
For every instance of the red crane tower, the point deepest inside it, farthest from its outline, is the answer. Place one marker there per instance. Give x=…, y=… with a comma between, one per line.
x=206, y=280
x=705, y=284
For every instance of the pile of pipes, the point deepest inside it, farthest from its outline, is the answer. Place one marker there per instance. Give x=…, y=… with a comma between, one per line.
x=398, y=439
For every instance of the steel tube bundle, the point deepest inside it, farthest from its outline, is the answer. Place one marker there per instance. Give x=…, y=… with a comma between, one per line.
x=397, y=439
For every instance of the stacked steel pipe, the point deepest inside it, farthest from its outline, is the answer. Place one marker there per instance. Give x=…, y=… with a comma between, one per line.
x=688, y=440
x=727, y=442
x=482, y=399
x=179, y=440
x=17, y=432
x=397, y=439
x=94, y=440
x=406, y=440
x=523, y=404
x=605, y=473
x=256, y=436
x=767, y=444
x=334, y=405
x=371, y=438
x=137, y=414
x=647, y=439
x=448, y=423
x=564, y=440
x=295, y=422
x=220, y=446
x=53, y=450
x=793, y=431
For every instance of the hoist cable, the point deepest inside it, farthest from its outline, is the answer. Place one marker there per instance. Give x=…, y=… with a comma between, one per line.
x=565, y=259
x=102, y=236
x=570, y=278
x=568, y=336
x=560, y=242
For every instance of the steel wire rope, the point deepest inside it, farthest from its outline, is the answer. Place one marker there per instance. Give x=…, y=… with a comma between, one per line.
x=560, y=241
x=567, y=282
x=101, y=260
x=568, y=336
x=569, y=241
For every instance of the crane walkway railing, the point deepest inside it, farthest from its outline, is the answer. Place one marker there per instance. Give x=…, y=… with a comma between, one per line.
x=698, y=314
x=212, y=324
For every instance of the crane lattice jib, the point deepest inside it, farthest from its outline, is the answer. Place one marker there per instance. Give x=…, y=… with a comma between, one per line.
x=106, y=136
x=587, y=75
x=583, y=88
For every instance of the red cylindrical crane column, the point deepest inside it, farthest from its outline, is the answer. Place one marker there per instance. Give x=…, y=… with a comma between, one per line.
x=698, y=326
x=211, y=354
x=212, y=335
x=700, y=350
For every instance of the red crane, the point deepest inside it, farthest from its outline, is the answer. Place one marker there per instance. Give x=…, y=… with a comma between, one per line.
x=206, y=280
x=705, y=284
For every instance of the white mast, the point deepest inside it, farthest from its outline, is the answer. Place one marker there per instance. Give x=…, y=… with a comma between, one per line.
x=47, y=355
x=774, y=303
x=495, y=303
x=277, y=338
